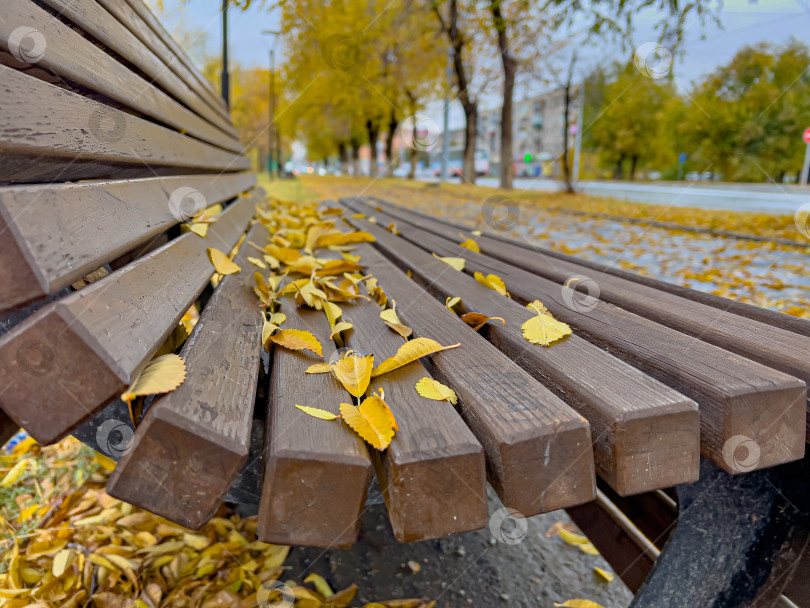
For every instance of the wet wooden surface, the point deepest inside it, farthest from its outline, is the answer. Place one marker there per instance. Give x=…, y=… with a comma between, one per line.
x=87, y=347
x=195, y=440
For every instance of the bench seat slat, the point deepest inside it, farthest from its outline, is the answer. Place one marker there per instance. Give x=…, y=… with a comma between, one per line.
x=91, y=344
x=202, y=82
x=735, y=395
x=55, y=234
x=196, y=439
x=316, y=472
x=433, y=475
x=646, y=435
x=40, y=120
x=539, y=451
x=767, y=344
x=94, y=19
x=121, y=10
x=78, y=60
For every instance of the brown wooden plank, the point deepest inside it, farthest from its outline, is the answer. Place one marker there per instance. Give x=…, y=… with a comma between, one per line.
x=57, y=233
x=735, y=395
x=193, y=442
x=70, y=358
x=94, y=19
x=539, y=451
x=766, y=344
x=8, y=428
x=125, y=14
x=39, y=120
x=200, y=82
x=433, y=475
x=80, y=61
x=316, y=472
x=646, y=435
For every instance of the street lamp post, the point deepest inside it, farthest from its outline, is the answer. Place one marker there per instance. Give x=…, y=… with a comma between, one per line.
x=226, y=84
x=274, y=135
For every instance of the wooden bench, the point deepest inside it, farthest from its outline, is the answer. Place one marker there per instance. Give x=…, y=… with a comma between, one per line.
x=111, y=142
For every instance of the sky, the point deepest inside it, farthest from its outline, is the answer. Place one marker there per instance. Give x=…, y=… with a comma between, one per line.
x=704, y=48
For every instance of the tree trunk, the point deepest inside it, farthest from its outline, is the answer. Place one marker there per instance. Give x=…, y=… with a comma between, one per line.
x=393, y=123
x=618, y=173
x=414, y=161
x=356, y=156
x=633, y=163
x=467, y=102
x=344, y=158
x=509, y=70
x=569, y=187
x=373, y=132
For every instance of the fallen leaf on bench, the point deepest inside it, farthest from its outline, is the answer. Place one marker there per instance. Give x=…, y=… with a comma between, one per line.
x=544, y=329
x=471, y=245
x=199, y=228
x=222, y=263
x=319, y=368
x=297, y=339
x=94, y=276
x=450, y=302
x=333, y=313
x=339, y=327
x=409, y=352
x=604, y=574
x=317, y=413
x=257, y=262
x=161, y=375
x=477, y=320
x=336, y=267
x=349, y=238
x=344, y=597
x=378, y=295
x=354, y=373
x=433, y=389
x=371, y=420
x=457, y=263
x=391, y=319
x=579, y=604
x=492, y=281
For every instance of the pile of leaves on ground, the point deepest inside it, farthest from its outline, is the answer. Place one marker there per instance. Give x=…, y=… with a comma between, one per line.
x=65, y=542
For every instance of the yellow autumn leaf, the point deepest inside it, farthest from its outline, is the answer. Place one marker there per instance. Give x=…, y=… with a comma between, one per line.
x=471, y=245
x=578, y=604
x=14, y=474
x=106, y=462
x=408, y=352
x=476, y=233
x=161, y=375
x=222, y=263
x=316, y=413
x=320, y=584
x=604, y=574
x=340, y=327
x=277, y=318
x=257, y=262
x=477, y=320
x=370, y=420
x=199, y=228
x=544, y=329
x=389, y=315
x=349, y=238
x=457, y=263
x=538, y=307
x=297, y=339
x=319, y=368
x=336, y=267
x=492, y=281
x=62, y=561
x=589, y=549
x=433, y=389
x=572, y=538
x=354, y=373
x=451, y=302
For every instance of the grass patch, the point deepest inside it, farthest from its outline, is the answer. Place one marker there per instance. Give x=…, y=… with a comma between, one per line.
x=287, y=189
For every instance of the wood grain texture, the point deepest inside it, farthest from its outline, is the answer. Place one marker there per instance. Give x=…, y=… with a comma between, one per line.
x=79, y=60
x=735, y=395
x=124, y=12
x=316, y=472
x=39, y=120
x=433, y=475
x=57, y=233
x=207, y=420
x=96, y=21
x=73, y=356
x=769, y=345
x=156, y=26
x=646, y=435
x=539, y=451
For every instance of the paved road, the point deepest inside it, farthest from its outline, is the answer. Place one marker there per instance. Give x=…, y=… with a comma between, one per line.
x=762, y=198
